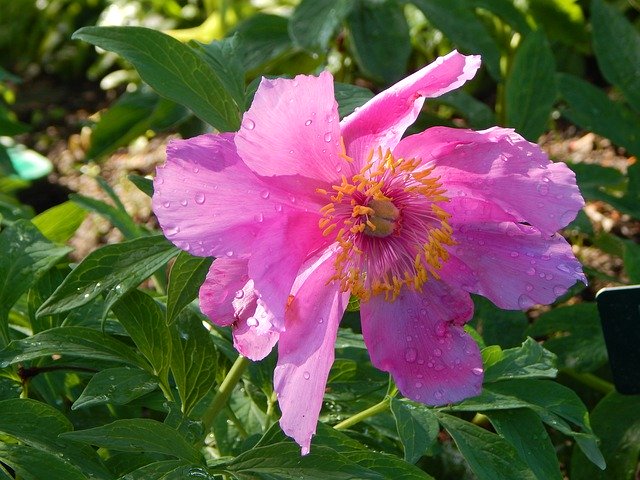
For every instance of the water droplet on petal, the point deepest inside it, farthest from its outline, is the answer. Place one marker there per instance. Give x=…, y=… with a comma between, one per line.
x=249, y=124
x=410, y=355
x=515, y=254
x=542, y=189
x=437, y=352
x=278, y=207
x=184, y=202
x=439, y=394
x=525, y=301
x=327, y=137
x=418, y=384
x=166, y=204
x=172, y=231
x=306, y=375
x=531, y=272
x=258, y=217
x=229, y=253
x=264, y=194
x=308, y=122
x=199, y=198
x=291, y=152
x=477, y=371
x=563, y=268
x=239, y=294
x=252, y=321
x=529, y=287
x=559, y=290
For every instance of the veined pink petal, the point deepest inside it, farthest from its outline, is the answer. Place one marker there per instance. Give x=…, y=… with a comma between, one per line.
x=419, y=339
x=292, y=128
x=228, y=297
x=306, y=349
x=277, y=257
x=209, y=203
x=383, y=119
x=498, y=165
x=513, y=265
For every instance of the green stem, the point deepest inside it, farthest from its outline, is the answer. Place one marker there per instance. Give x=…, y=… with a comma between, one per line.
x=590, y=380
x=227, y=386
x=369, y=412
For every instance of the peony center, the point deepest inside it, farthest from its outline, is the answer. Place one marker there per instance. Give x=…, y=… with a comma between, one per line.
x=382, y=222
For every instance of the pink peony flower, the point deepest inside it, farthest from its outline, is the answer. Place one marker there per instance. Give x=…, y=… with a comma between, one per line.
x=302, y=210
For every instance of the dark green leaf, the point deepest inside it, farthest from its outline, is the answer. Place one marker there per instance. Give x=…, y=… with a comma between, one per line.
x=489, y=455
x=380, y=40
x=133, y=114
x=74, y=341
x=448, y=16
x=417, y=427
x=187, y=274
x=117, y=386
x=168, y=470
x=350, y=97
x=616, y=421
x=478, y=114
x=144, y=184
x=616, y=43
x=112, y=270
x=497, y=326
x=59, y=223
x=118, y=218
x=283, y=461
x=530, y=88
x=26, y=255
x=173, y=69
x=524, y=430
x=527, y=361
x=193, y=359
x=32, y=464
x=591, y=109
x=506, y=10
x=38, y=425
x=262, y=38
x=38, y=293
x=580, y=344
x=592, y=178
x=143, y=319
x=313, y=24
x=631, y=260
x=137, y=435
x=222, y=55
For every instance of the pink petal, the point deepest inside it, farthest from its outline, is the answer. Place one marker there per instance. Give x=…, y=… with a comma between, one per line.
x=225, y=280
x=306, y=349
x=384, y=118
x=292, y=128
x=418, y=338
x=513, y=265
x=277, y=257
x=228, y=297
x=209, y=203
x=499, y=166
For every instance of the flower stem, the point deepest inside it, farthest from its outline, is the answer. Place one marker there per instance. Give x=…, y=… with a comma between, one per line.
x=369, y=412
x=227, y=386
x=590, y=380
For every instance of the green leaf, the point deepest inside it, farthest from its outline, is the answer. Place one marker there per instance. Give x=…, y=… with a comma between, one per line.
x=448, y=16
x=193, y=359
x=561, y=20
x=32, y=464
x=527, y=361
x=144, y=184
x=59, y=223
x=26, y=255
x=593, y=178
x=350, y=97
x=591, y=109
x=143, y=319
x=132, y=115
x=187, y=274
x=506, y=10
x=497, y=326
x=380, y=39
x=616, y=43
x=417, y=427
x=117, y=386
x=118, y=218
x=137, y=435
x=222, y=55
x=283, y=461
x=261, y=39
x=616, y=421
x=171, y=68
x=112, y=270
x=479, y=114
x=489, y=455
x=73, y=341
x=631, y=260
x=313, y=24
x=38, y=425
x=579, y=344
x=530, y=87
x=168, y=470
x=524, y=430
